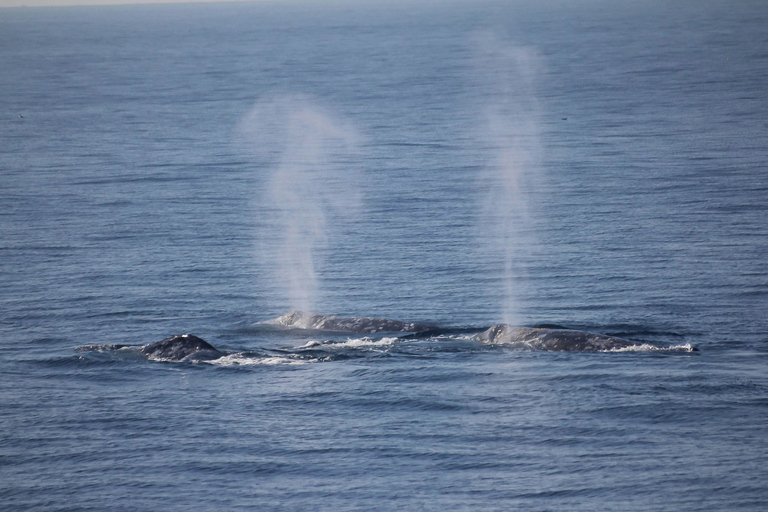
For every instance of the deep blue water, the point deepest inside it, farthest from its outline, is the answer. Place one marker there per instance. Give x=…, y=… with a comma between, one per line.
x=205, y=168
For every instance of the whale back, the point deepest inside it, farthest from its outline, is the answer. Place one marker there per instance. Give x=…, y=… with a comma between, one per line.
x=333, y=323
x=180, y=347
x=550, y=339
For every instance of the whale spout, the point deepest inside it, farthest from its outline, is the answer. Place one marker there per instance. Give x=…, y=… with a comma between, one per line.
x=550, y=339
x=333, y=323
x=181, y=347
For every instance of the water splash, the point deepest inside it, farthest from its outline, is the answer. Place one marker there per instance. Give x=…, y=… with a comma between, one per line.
x=511, y=133
x=311, y=190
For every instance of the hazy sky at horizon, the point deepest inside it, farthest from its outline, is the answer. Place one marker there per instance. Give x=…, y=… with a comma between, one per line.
x=62, y=3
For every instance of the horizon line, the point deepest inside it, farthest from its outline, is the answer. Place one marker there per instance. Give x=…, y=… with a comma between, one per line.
x=31, y=4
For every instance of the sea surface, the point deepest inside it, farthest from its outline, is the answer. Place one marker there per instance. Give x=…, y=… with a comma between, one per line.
x=170, y=169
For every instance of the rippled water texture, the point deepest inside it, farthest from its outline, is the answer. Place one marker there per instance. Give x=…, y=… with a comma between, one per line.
x=203, y=169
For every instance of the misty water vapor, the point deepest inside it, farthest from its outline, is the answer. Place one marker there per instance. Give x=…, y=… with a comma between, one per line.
x=307, y=157
x=510, y=134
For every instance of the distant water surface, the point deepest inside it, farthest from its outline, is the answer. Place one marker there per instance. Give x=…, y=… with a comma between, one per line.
x=204, y=168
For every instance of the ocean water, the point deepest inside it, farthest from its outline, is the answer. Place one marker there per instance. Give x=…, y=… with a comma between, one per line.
x=170, y=169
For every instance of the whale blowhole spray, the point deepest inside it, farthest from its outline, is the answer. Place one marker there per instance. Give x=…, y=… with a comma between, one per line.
x=510, y=134
x=306, y=157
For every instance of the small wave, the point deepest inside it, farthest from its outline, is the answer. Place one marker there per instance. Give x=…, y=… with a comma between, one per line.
x=252, y=360
x=105, y=348
x=351, y=343
x=645, y=347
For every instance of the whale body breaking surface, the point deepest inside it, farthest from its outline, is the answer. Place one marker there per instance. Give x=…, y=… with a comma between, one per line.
x=333, y=323
x=190, y=348
x=524, y=338
x=532, y=338
x=180, y=347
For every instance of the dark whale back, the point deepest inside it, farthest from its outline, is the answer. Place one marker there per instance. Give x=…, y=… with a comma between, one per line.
x=179, y=347
x=333, y=323
x=550, y=339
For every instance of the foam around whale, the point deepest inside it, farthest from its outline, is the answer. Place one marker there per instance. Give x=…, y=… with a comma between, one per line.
x=333, y=323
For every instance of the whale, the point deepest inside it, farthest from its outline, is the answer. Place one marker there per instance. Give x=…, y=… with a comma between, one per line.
x=333, y=323
x=533, y=338
x=181, y=347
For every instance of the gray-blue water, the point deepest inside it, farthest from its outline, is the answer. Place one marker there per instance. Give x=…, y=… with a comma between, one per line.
x=204, y=168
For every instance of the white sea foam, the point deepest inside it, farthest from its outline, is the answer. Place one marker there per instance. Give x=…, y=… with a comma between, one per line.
x=352, y=343
x=645, y=347
x=246, y=360
x=107, y=348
